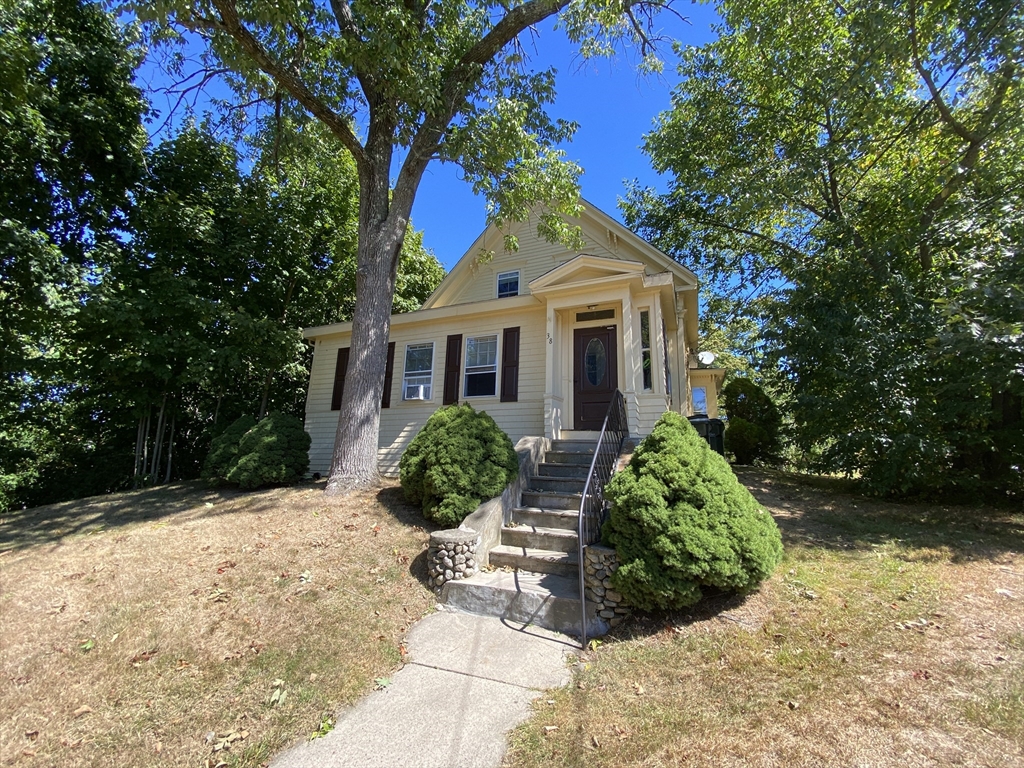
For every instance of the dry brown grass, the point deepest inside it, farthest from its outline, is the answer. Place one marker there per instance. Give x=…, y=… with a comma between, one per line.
x=892, y=635
x=150, y=628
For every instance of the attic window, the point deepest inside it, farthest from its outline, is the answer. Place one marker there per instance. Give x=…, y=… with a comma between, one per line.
x=508, y=284
x=600, y=314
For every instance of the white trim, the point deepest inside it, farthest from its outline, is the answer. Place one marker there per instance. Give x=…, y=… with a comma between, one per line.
x=497, y=361
x=418, y=374
x=519, y=283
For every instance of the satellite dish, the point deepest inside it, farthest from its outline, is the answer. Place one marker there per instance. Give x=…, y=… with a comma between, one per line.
x=706, y=358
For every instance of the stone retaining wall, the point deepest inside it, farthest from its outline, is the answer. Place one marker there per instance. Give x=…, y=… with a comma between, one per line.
x=452, y=555
x=599, y=563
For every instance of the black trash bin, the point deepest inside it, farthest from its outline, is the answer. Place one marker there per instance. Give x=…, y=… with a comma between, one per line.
x=712, y=430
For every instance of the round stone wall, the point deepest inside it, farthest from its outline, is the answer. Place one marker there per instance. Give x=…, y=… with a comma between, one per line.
x=452, y=556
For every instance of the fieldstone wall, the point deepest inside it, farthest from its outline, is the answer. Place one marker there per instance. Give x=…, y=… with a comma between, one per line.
x=599, y=563
x=452, y=555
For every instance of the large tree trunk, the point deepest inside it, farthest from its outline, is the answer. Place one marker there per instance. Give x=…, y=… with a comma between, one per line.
x=382, y=224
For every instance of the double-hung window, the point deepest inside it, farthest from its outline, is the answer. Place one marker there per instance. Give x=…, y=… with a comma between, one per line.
x=645, y=348
x=419, y=371
x=481, y=365
x=508, y=284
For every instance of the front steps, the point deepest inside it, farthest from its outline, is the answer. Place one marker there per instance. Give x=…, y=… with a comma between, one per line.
x=539, y=583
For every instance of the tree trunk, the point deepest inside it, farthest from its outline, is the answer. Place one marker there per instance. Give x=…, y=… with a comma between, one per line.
x=382, y=224
x=138, y=452
x=145, y=447
x=266, y=395
x=170, y=451
x=161, y=422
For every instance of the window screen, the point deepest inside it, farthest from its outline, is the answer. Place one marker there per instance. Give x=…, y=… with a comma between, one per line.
x=481, y=365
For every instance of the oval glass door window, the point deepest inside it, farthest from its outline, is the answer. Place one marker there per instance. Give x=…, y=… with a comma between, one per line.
x=595, y=361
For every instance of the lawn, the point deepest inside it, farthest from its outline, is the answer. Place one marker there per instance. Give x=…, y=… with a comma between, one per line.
x=892, y=635
x=183, y=626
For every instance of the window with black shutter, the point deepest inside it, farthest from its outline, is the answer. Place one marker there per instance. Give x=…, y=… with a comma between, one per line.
x=340, y=369
x=510, y=365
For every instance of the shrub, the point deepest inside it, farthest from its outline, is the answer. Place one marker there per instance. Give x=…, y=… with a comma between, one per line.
x=745, y=401
x=746, y=440
x=459, y=458
x=224, y=448
x=681, y=521
x=274, y=452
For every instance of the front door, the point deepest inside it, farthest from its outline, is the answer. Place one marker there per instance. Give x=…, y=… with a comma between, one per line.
x=595, y=375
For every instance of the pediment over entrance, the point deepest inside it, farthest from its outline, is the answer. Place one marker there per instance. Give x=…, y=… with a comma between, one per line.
x=586, y=270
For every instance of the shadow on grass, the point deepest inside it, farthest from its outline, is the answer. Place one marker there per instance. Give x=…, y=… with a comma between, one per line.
x=393, y=500
x=55, y=522
x=821, y=512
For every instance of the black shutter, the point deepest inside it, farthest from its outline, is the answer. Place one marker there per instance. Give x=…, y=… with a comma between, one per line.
x=389, y=375
x=339, y=379
x=510, y=365
x=452, y=366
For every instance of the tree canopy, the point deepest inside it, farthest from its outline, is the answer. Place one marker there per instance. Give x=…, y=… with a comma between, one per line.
x=850, y=176
x=151, y=295
x=398, y=85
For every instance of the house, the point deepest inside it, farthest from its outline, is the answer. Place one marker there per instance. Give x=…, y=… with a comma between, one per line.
x=539, y=338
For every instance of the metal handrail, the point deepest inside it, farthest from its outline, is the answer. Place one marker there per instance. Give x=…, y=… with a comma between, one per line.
x=593, y=510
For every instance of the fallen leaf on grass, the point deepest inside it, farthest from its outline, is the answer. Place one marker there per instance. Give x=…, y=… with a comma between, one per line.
x=279, y=695
x=83, y=710
x=225, y=565
x=381, y=683
x=219, y=595
x=31, y=735
x=550, y=728
x=638, y=689
x=622, y=733
x=139, y=658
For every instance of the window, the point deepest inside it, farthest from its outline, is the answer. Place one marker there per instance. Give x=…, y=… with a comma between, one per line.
x=481, y=365
x=419, y=371
x=508, y=284
x=699, y=396
x=600, y=314
x=645, y=347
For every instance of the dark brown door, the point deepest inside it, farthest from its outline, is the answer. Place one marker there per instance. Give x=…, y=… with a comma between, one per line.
x=595, y=375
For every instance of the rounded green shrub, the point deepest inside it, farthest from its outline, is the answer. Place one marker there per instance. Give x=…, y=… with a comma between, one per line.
x=274, y=452
x=681, y=521
x=224, y=448
x=755, y=422
x=459, y=459
x=746, y=440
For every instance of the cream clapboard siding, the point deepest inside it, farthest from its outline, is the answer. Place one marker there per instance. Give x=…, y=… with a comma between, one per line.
x=400, y=423
x=534, y=258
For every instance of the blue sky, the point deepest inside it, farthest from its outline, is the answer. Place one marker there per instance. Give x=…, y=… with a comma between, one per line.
x=612, y=104
x=614, y=108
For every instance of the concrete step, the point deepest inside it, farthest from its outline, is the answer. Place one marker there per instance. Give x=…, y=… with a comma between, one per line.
x=551, y=499
x=574, y=446
x=535, y=560
x=557, y=484
x=534, y=537
x=542, y=599
x=563, y=519
x=576, y=458
x=544, y=469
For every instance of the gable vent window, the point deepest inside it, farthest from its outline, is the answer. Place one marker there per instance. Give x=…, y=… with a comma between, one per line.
x=600, y=314
x=481, y=366
x=419, y=372
x=508, y=284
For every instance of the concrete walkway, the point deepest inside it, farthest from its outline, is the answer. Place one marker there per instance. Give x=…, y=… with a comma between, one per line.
x=467, y=681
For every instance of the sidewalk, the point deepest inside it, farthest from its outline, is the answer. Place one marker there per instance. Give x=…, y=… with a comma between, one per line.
x=467, y=681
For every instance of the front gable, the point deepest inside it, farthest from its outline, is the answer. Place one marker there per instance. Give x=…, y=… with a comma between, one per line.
x=475, y=277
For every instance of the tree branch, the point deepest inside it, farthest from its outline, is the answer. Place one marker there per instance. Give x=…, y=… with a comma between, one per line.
x=232, y=25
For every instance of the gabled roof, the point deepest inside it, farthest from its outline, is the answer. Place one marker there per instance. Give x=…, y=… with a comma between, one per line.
x=593, y=219
x=587, y=270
